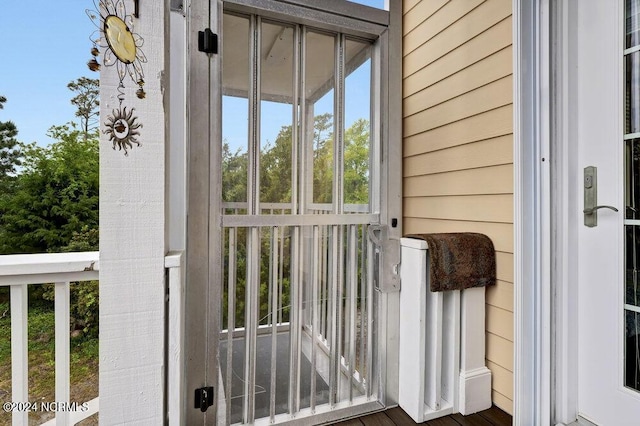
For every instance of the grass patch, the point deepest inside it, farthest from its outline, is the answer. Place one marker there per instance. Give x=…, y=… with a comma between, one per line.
x=84, y=361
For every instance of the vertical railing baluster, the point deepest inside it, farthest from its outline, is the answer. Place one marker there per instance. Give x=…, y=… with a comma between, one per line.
x=19, y=352
x=251, y=321
x=314, y=314
x=363, y=300
x=62, y=318
x=370, y=260
x=294, y=329
x=333, y=318
x=274, y=322
x=340, y=303
x=231, y=316
x=353, y=291
x=324, y=282
x=281, y=278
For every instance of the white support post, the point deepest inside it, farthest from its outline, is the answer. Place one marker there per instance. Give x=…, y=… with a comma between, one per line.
x=475, y=377
x=62, y=318
x=19, y=352
x=132, y=235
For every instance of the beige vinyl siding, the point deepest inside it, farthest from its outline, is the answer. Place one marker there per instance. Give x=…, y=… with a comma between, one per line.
x=458, y=144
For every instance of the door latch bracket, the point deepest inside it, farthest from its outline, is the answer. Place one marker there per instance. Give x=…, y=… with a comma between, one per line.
x=387, y=251
x=203, y=398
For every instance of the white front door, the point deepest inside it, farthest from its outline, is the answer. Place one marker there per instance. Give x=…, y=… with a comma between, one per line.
x=605, y=88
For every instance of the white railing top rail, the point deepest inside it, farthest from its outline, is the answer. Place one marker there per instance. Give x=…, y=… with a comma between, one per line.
x=48, y=267
x=348, y=208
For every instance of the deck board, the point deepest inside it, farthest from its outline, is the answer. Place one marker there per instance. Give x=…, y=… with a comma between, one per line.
x=473, y=420
x=397, y=417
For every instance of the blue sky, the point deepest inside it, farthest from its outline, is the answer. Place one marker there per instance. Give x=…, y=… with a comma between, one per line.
x=45, y=45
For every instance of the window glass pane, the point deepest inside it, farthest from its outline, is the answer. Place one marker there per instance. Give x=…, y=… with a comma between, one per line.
x=276, y=116
x=632, y=23
x=357, y=135
x=632, y=93
x=632, y=253
x=632, y=195
x=632, y=176
x=632, y=350
x=319, y=97
x=235, y=113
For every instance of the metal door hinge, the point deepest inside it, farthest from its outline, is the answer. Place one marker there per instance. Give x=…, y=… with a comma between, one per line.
x=203, y=398
x=207, y=41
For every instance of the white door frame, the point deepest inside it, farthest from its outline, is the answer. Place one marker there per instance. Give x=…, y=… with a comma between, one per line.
x=203, y=189
x=546, y=351
x=532, y=218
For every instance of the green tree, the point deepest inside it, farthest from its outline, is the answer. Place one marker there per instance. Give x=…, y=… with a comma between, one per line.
x=84, y=295
x=323, y=159
x=275, y=169
x=234, y=174
x=9, y=149
x=87, y=102
x=356, y=163
x=55, y=195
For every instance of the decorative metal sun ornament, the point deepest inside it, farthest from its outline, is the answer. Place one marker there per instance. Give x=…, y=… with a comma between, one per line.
x=122, y=129
x=122, y=48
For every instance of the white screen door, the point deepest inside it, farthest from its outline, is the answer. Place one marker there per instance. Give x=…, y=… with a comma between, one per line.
x=301, y=187
x=606, y=84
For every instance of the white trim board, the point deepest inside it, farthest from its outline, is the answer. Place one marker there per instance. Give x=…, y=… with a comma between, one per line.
x=532, y=370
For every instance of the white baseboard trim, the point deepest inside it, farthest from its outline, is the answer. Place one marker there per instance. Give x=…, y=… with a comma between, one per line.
x=475, y=390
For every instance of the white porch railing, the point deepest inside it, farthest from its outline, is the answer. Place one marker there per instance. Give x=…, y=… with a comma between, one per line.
x=19, y=272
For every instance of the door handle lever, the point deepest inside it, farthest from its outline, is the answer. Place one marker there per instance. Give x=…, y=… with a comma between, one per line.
x=592, y=210
x=591, y=206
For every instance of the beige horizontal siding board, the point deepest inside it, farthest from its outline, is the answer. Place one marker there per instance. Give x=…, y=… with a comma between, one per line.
x=477, y=21
x=500, y=295
x=408, y=5
x=488, y=152
x=502, y=402
x=436, y=23
x=491, y=124
x=479, y=74
x=501, y=380
x=499, y=322
x=499, y=351
x=487, y=43
x=504, y=263
x=485, y=180
x=500, y=233
x=416, y=14
x=477, y=208
x=493, y=95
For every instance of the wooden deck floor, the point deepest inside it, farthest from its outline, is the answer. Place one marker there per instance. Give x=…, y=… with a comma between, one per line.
x=396, y=417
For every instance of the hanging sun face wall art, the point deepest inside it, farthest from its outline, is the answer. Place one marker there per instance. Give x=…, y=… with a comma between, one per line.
x=122, y=49
x=122, y=129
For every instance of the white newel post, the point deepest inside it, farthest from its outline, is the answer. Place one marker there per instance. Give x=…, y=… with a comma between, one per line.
x=132, y=236
x=442, y=343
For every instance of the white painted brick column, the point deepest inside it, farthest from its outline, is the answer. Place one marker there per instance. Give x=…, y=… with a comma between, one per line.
x=132, y=239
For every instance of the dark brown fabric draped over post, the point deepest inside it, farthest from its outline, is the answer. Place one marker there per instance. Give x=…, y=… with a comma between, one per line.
x=459, y=260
